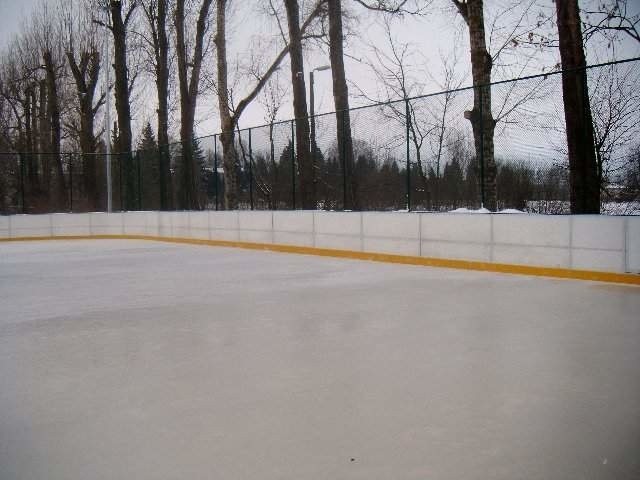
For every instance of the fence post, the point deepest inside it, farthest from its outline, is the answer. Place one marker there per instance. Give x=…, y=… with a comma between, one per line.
x=481, y=155
x=139, y=181
x=250, y=172
x=215, y=168
x=343, y=151
x=407, y=121
x=70, y=183
x=293, y=164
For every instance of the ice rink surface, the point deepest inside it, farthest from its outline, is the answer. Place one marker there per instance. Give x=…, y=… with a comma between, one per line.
x=143, y=360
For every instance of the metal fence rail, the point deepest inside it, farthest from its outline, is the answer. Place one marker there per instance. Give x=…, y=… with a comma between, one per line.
x=411, y=154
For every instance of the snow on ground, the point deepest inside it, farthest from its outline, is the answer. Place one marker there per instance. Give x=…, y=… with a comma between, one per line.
x=123, y=359
x=609, y=208
x=468, y=210
x=557, y=207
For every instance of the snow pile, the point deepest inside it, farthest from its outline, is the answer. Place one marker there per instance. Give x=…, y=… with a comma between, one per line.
x=484, y=210
x=467, y=210
x=558, y=207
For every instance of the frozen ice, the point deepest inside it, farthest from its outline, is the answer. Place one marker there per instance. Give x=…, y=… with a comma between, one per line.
x=147, y=360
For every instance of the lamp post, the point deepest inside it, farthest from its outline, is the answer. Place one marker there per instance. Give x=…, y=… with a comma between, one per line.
x=313, y=123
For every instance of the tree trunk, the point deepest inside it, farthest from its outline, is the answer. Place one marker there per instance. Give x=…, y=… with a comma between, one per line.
x=189, y=97
x=481, y=117
x=85, y=74
x=341, y=102
x=29, y=111
x=303, y=152
x=123, y=107
x=43, y=136
x=227, y=138
x=229, y=155
x=161, y=46
x=229, y=121
x=53, y=114
x=187, y=191
x=583, y=167
x=35, y=184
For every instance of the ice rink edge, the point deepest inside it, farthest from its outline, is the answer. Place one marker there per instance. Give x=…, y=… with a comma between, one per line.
x=538, y=271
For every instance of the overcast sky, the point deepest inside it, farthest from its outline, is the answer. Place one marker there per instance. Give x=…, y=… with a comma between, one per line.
x=11, y=14
x=432, y=38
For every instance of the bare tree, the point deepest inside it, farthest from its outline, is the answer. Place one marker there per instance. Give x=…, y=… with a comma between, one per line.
x=156, y=14
x=272, y=99
x=303, y=152
x=47, y=35
x=12, y=77
x=428, y=119
x=341, y=101
x=188, y=86
x=610, y=18
x=229, y=113
x=440, y=118
x=340, y=87
x=120, y=17
x=84, y=64
x=583, y=165
x=492, y=45
x=481, y=118
x=227, y=122
x=615, y=103
x=24, y=76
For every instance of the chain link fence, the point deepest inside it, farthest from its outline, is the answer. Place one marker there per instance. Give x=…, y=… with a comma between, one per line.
x=416, y=154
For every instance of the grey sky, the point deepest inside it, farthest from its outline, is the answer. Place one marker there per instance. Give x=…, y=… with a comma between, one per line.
x=432, y=38
x=11, y=14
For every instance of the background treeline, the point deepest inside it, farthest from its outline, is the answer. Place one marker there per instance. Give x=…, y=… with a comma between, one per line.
x=76, y=59
x=271, y=182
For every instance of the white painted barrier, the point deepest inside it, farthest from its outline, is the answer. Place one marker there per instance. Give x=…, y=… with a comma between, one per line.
x=587, y=242
x=294, y=228
x=632, y=245
x=30, y=226
x=339, y=230
x=4, y=227
x=140, y=223
x=391, y=233
x=255, y=226
x=198, y=225
x=107, y=223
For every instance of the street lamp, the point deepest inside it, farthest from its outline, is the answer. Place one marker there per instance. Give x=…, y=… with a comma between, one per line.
x=313, y=123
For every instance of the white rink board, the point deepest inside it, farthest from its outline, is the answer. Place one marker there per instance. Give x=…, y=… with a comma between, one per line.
x=586, y=242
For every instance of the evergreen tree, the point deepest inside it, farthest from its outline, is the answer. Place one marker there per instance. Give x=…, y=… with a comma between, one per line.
x=453, y=182
x=148, y=170
x=285, y=178
x=365, y=171
x=147, y=139
x=191, y=196
x=200, y=162
x=118, y=169
x=115, y=137
x=472, y=184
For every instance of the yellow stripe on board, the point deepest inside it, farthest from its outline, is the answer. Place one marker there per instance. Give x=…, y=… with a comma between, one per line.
x=554, y=272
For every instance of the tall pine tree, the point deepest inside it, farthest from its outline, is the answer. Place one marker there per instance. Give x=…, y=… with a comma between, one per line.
x=148, y=170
